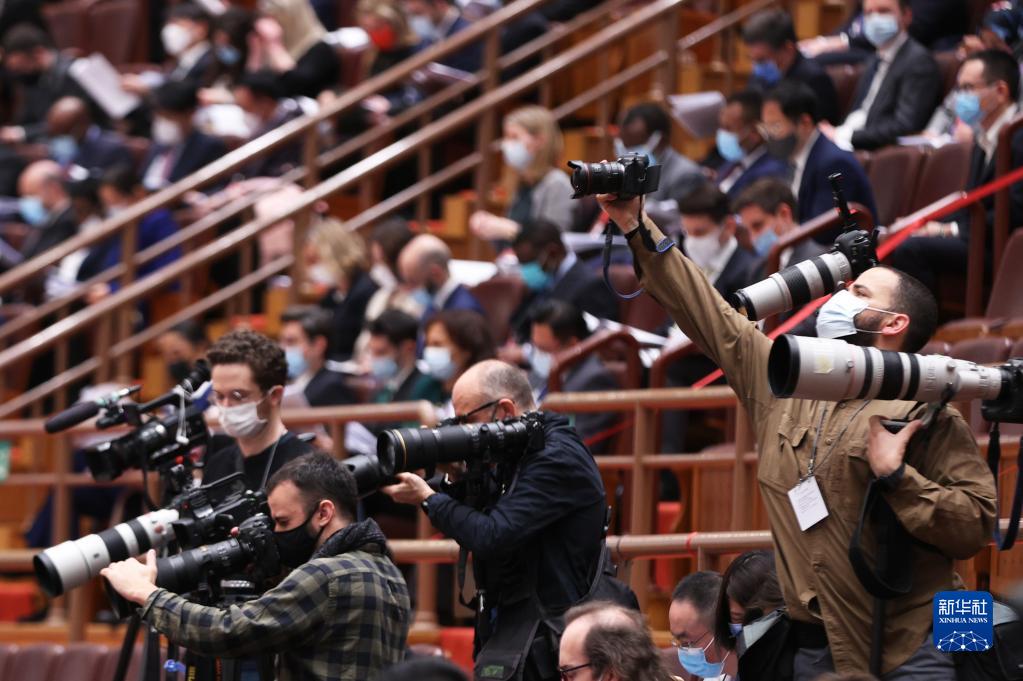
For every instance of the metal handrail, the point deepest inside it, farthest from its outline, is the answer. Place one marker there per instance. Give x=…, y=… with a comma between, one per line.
x=481, y=107
x=273, y=140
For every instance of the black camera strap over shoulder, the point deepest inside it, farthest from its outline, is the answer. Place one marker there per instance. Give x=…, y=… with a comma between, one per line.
x=994, y=458
x=662, y=247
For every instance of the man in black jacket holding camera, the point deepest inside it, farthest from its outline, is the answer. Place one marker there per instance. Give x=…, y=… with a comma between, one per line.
x=542, y=536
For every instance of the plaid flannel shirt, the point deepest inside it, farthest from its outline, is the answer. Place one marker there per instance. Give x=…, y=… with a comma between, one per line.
x=343, y=617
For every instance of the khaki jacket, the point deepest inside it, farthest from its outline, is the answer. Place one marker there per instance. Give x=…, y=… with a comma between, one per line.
x=945, y=500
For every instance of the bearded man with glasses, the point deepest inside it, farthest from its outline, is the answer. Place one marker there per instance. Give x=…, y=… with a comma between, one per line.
x=536, y=550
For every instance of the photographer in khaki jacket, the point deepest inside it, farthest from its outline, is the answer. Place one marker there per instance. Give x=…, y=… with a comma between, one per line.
x=944, y=497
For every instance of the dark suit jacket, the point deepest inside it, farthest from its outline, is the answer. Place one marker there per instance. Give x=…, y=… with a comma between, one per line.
x=908, y=96
x=349, y=316
x=589, y=375
x=328, y=389
x=815, y=191
x=463, y=299
x=419, y=386
x=198, y=150
x=982, y=173
x=57, y=228
x=102, y=150
x=813, y=74
x=36, y=99
x=285, y=158
x=582, y=287
x=470, y=58
x=739, y=272
x=765, y=166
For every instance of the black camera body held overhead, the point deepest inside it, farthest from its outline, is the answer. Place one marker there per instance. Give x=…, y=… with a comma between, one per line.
x=154, y=444
x=628, y=177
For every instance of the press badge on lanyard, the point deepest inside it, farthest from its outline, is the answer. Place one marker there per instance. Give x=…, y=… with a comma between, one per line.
x=808, y=503
x=806, y=498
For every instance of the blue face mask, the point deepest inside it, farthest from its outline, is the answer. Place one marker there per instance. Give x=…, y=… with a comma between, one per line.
x=535, y=277
x=764, y=242
x=63, y=149
x=297, y=363
x=383, y=368
x=422, y=297
x=767, y=71
x=880, y=28
x=32, y=210
x=735, y=628
x=228, y=55
x=438, y=362
x=694, y=661
x=967, y=107
x=729, y=147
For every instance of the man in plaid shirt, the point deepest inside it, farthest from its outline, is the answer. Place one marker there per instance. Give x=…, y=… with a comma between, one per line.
x=342, y=613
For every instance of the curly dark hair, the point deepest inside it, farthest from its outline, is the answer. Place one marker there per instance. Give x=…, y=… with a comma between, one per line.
x=256, y=351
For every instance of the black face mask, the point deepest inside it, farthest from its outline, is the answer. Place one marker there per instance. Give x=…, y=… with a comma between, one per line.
x=782, y=147
x=179, y=370
x=296, y=546
x=27, y=77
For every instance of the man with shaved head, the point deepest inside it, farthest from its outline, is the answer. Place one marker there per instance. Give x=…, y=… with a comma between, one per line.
x=539, y=545
x=45, y=206
x=423, y=265
x=74, y=139
x=605, y=641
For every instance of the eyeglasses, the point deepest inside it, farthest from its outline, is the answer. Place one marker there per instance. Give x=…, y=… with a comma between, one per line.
x=462, y=419
x=689, y=644
x=972, y=87
x=232, y=398
x=770, y=133
x=568, y=672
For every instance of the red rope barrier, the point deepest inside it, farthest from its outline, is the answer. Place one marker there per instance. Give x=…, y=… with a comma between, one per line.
x=885, y=250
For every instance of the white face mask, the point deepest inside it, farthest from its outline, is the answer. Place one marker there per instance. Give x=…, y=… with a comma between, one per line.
x=702, y=249
x=242, y=421
x=175, y=38
x=837, y=317
x=438, y=361
x=166, y=132
x=321, y=274
x=541, y=362
x=516, y=154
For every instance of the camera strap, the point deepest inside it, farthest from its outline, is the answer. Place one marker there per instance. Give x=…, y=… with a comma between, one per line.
x=662, y=247
x=994, y=458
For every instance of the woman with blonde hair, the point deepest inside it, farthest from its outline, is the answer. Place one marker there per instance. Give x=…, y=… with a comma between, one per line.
x=531, y=147
x=338, y=258
x=288, y=39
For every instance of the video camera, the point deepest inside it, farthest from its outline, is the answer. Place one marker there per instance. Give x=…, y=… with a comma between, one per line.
x=629, y=176
x=197, y=516
x=853, y=253
x=155, y=442
x=253, y=548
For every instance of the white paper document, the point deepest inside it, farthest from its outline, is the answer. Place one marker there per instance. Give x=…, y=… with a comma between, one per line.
x=102, y=82
x=698, y=112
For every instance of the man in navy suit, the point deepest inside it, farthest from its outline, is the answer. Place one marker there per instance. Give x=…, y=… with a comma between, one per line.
x=74, y=140
x=551, y=271
x=900, y=88
x=178, y=148
x=424, y=264
x=740, y=145
x=708, y=238
x=790, y=123
x=988, y=87
x=770, y=40
x=435, y=20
